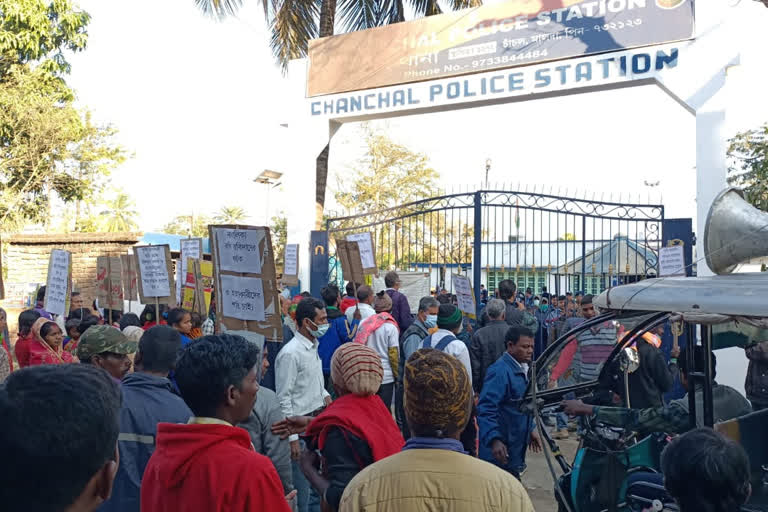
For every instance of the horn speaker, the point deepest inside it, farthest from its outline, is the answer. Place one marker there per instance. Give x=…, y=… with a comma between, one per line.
x=736, y=232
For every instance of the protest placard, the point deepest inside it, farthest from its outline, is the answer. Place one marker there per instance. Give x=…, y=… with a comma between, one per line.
x=291, y=265
x=245, y=280
x=190, y=248
x=59, y=282
x=671, y=261
x=464, y=295
x=130, y=285
x=154, y=273
x=367, y=254
x=109, y=280
x=414, y=285
x=351, y=262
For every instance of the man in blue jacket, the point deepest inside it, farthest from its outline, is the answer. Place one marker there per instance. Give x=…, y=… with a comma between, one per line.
x=148, y=399
x=339, y=330
x=505, y=432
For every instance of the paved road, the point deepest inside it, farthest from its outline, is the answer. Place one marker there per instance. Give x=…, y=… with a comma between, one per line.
x=538, y=480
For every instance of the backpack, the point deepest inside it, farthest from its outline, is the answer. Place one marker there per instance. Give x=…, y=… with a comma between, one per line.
x=441, y=345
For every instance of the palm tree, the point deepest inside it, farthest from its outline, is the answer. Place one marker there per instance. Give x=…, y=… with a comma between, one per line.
x=230, y=215
x=120, y=215
x=295, y=22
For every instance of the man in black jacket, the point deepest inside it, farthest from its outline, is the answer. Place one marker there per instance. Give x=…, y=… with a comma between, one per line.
x=654, y=377
x=515, y=314
x=488, y=343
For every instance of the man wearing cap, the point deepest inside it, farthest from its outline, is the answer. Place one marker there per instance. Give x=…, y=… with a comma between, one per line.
x=439, y=475
x=448, y=324
x=105, y=347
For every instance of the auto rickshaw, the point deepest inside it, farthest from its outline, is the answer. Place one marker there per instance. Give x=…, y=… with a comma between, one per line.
x=715, y=312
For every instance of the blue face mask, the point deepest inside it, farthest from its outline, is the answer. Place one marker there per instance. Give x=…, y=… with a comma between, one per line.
x=544, y=307
x=431, y=321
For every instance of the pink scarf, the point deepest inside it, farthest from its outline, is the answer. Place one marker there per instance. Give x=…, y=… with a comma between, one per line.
x=371, y=324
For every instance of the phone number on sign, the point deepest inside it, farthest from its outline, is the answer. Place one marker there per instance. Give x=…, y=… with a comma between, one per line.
x=505, y=59
x=618, y=25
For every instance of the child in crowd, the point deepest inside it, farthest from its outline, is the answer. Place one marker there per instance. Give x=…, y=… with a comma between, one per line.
x=197, y=326
x=73, y=336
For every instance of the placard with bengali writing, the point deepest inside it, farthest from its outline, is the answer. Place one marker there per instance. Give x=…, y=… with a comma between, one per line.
x=238, y=249
x=464, y=295
x=57, y=286
x=242, y=297
x=291, y=265
x=367, y=254
x=155, y=275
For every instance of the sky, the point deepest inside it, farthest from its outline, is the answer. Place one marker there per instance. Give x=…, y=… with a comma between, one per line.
x=199, y=103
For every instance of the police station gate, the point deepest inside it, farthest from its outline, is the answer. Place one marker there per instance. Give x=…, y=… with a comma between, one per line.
x=540, y=241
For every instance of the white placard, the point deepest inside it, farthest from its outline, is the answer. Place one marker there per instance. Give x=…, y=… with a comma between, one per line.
x=57, y=285
x=290, y=268
x=464, y=295
x=671, y=261
x=242, y=297
x=414, y=285
x=189, y=248
x=153, y=268
x=365, y=243
x=239, y=249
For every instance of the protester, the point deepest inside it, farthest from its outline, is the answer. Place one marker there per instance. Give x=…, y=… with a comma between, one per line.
x=505, y=432
x=299, y=379
x=672, y=418
x=87, y=322
x=129, y=319
x=488, y=343
x=148, y=399
x=108, y=348
x=72, y=328
x=134, y=333
x=265, y=413
x=21, y=348
x=349, y=300
x=58, y=439
x=148, y=317
x=703, y=471
x=112, y=317
x=209, y=464
x=40, y=304
x=5, y=339
x=355, y=431
x=47, y=348
x=410, y=342
x=401, y=310
x=756, y=384
x=365, y=307
x=515, y=314
x=483, y=294
x=440, y=476
x=76, y=301
x=197, y=325
x=380, y=332
x=340, y=331
x=653, y=377
x=273, y=347
x=181, y=320
x=79, y=314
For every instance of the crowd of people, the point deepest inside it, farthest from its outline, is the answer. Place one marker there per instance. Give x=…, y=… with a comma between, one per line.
x=363, y=406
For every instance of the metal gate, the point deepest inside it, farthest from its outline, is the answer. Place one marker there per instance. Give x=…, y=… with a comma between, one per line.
x=540, y=241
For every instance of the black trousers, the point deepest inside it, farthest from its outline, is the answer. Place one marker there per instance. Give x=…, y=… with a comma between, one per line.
x=385, y=393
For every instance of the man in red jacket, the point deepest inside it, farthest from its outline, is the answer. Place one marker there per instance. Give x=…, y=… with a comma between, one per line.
x=208, y=464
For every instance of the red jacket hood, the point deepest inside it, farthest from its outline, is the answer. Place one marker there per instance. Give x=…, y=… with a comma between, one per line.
x=178, y=447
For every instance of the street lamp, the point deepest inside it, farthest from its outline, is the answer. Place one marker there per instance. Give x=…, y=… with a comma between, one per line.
x=487, y=168
x=270, y=180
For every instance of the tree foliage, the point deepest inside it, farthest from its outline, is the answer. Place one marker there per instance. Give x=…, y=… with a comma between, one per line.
x=748, y=152
x=230, y=215
x=120, y=214
x=47, y=146
x=189, y=225
x=279, y=231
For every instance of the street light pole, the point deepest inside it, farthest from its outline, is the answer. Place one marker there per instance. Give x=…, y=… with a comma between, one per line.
x=270, y=180
x=487, y=168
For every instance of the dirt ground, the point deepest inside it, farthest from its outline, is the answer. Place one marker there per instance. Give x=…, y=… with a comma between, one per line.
x=538, y=480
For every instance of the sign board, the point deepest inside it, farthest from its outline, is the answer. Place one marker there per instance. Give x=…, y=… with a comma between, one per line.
x=109, y=279
x=130, y=284
x=351, y=263
x=189, y=248
x=367, y=254
x=414, y=285
x=493, y=36
x=291, y=265
x=155, y=273
x=671, y=261
x=59, y=283
x=464, y=295
x=246, y=280
x=198, y=286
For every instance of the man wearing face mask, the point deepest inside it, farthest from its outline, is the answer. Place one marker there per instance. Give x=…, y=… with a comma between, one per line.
x=299, y=380
x=410, y=341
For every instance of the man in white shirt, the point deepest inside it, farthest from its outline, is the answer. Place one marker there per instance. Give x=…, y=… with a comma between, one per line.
x=449, y=320
x=299, y=380
x=380, y=332
x=365, y=296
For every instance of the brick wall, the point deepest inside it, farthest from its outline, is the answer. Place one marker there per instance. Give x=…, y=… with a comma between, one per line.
x=27, y=256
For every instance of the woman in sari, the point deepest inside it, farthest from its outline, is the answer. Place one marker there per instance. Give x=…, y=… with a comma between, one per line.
x=6, y=340
x=26, y=320
x=47, y=348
